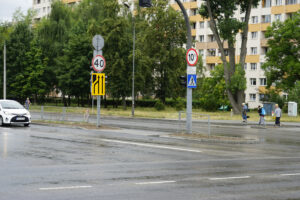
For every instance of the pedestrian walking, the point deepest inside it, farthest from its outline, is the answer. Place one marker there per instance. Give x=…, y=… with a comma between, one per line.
x=27, y=103
x=277, y=115
x=244, y=112
x=262, y=114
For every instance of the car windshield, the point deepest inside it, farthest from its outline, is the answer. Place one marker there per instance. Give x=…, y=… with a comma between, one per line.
x=11, y=105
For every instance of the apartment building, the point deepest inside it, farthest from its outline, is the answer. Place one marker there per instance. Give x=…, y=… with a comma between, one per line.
x=267, y=12
x=43, y=7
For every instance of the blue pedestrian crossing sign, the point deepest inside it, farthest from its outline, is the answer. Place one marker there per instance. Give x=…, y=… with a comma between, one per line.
x=191, y=80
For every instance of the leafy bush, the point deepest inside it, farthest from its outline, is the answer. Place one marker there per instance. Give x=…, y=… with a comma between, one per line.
x=180, y=104
x=159, y=106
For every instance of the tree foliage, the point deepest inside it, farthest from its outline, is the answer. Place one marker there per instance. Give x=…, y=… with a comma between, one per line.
x=282, y=64
x=225, y=27
x=212, y=90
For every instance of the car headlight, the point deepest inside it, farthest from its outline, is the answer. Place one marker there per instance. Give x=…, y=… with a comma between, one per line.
x=7, y=113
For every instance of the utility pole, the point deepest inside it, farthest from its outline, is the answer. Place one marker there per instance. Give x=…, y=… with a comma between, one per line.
x=189, y=90
x=133, y=56
x=4, y=71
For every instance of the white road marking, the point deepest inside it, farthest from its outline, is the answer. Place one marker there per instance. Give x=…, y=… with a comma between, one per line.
x=296, y=174
x=155, y=182
x=228, y=178
x=151, y=145
x=67, y=188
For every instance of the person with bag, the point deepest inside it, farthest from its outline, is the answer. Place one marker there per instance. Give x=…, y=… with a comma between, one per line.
x=244, y=112
x=262, y=114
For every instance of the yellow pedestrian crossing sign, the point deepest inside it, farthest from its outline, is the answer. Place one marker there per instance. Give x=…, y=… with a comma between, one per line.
x=98, y=84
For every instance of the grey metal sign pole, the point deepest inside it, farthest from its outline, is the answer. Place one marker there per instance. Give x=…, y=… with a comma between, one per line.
x=189, y=90
x=4, y=71
x=98, y=43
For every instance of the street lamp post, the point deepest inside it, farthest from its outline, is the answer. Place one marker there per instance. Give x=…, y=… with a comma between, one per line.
x=133, y=56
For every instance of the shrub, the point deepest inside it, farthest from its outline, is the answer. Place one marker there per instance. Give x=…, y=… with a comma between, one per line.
x=159, y=106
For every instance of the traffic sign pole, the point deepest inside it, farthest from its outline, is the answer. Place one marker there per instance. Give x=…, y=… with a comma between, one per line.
x=98, y=44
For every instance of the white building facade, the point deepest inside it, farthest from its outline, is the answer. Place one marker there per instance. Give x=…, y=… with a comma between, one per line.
x=261, y=17
x=43, y=7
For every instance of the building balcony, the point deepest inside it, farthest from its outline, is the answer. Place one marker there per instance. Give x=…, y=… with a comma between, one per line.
x=196, y=18
x=264, y=43
x=210, y=45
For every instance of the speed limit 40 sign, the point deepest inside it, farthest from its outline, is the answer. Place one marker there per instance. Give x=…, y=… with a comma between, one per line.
x=98, y=63
x=192, y=57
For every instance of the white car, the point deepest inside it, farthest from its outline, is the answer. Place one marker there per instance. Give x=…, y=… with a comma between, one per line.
x=12, y=112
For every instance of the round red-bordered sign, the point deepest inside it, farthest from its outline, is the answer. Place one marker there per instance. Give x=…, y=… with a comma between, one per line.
x=98, y=63
x=192, y=57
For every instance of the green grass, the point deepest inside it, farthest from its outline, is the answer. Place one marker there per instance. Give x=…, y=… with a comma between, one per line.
x=168, y=113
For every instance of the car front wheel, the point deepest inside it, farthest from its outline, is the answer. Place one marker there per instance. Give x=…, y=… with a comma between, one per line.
x=26, y=125
x=1, y=121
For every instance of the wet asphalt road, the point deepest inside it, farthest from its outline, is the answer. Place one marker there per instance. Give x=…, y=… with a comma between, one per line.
x=43, y=162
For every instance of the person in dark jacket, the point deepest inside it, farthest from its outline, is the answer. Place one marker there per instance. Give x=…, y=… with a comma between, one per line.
x=261, y=111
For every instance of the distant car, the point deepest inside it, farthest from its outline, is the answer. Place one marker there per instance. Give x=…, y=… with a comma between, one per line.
x=12, y=112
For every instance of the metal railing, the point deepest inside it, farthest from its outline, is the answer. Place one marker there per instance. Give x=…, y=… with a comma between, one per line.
x=53, y=113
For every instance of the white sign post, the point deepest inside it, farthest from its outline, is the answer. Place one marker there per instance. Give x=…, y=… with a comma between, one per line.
x=98, y=64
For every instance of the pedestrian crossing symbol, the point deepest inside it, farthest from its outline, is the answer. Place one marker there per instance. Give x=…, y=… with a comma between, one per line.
x=98, y=84
x=192, y=81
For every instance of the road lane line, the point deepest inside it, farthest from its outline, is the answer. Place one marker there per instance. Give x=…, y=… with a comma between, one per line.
x=67, y=188
x=228, y=178
x=296, y=174
x=155, y=182
x=151, y=145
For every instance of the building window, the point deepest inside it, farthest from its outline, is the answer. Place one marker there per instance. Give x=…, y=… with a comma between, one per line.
x=278, y=2
x=201, y=25
x=278, y=17
x=201, y=52
x=253, y=50
x=265, y=50
x=194, y=26
x=252, y=97
x=289, y=2
x=253, y=35
x=211, y=38
x=208, y=24
x=242, y=19
x=253, y=66
x=262, y=97
x=38, y=1
x=194, y=12
x=211, y=52
x=245, y=66
x=201, y=38
x=254, y=19
x=252, y=81
x=265, y=18
x=266, y=3
x=211, y=67
x=263, y=81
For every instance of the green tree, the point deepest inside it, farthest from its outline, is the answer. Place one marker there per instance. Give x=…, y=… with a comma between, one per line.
x=17, y=47
x=225, y=28
x=212, y=90
x=282, y=64
x=160, y=42
x=34, y=76
x=73, y=67
x=53, y=36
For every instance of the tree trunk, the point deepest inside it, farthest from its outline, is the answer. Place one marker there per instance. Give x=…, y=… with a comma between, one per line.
x=229, y=68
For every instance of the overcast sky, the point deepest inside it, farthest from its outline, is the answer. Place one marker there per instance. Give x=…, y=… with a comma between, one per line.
x=8, y=7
